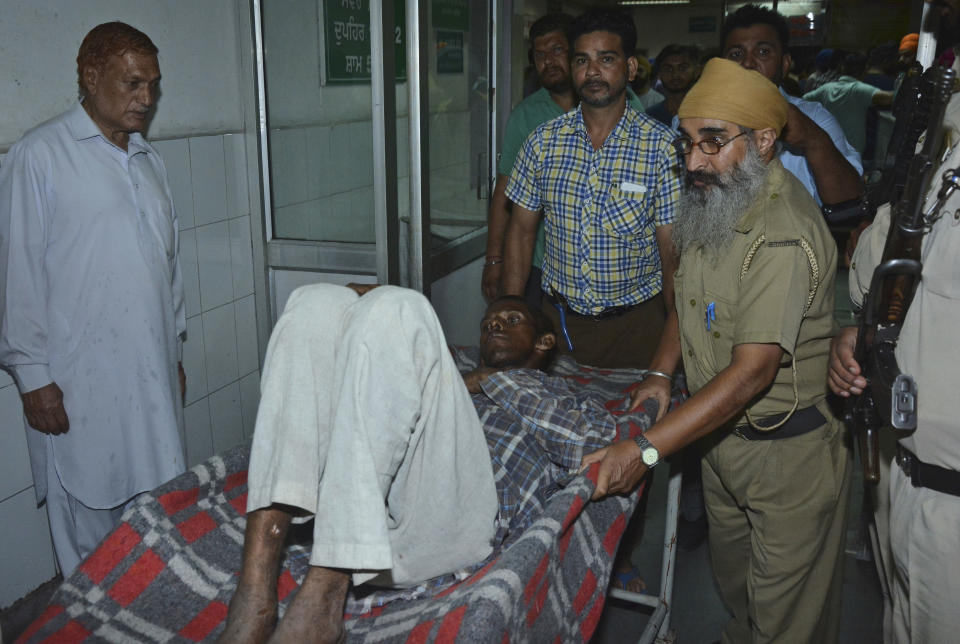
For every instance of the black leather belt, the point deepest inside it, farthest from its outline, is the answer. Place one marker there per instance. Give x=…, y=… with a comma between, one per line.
x=802, y=421
x=926, y=475
x=558, y=300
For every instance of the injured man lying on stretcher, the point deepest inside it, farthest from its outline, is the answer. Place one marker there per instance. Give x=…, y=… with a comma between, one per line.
x=410, y=469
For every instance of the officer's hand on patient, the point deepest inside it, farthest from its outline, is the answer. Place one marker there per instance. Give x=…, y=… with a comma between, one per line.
x=652, y=387
x=844, y=375
x=621, y=468
x=44, y=409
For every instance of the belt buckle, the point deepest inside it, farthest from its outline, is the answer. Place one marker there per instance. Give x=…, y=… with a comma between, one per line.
x=613, y=311
x=738, y=432
x=599, y=315
x=908, y=464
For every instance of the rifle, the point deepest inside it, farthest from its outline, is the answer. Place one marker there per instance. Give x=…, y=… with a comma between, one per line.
x=891, y=396
x=911, y=114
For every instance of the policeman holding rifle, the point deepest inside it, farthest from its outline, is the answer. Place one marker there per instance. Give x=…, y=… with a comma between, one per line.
x=924, y=478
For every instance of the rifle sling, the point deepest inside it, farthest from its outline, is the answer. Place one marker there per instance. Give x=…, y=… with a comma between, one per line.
x=932, y=477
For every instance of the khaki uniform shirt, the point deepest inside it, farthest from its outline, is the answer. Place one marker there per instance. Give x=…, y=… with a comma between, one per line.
x=793, y=255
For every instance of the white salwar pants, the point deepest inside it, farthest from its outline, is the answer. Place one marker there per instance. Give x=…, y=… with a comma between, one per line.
x=365, y=422
x=76, y=529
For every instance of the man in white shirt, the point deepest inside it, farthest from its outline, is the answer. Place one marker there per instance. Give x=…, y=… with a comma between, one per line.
x=91, y=297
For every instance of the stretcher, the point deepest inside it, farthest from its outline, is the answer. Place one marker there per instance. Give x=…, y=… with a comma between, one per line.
x=167, y=572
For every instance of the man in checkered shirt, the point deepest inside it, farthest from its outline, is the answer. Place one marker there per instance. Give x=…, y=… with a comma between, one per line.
x=411, y=469
x=606, y=181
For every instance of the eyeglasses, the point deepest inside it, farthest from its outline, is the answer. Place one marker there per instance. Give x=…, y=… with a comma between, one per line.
x=684, y=144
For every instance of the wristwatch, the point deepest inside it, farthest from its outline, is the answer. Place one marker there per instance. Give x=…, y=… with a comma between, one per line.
x=650, y=454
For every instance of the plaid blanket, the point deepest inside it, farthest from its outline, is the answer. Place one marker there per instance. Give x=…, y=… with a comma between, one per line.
x=167, y=573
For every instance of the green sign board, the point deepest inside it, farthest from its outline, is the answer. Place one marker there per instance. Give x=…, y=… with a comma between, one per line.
x=346, y=41
x=451, y=14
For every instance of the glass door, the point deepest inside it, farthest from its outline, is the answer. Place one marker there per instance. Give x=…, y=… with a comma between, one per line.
x=450, y=139
x=375, y=122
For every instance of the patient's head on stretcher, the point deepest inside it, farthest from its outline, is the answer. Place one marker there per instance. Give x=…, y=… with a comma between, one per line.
x=512, y=335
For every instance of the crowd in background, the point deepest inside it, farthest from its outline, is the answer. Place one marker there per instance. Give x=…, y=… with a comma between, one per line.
x=856, y=86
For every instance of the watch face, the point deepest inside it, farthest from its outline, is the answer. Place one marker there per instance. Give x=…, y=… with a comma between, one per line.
x=650, y=456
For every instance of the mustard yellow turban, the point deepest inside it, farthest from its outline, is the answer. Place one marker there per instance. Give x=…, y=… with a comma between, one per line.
x=728, y=92
x=645, y=64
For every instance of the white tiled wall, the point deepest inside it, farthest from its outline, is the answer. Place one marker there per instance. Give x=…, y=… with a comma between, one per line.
x=26, y=558
x=221, y=358
x=336, y=203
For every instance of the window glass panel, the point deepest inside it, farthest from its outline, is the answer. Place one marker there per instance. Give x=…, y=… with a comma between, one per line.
x=317, y=58
x=459, y=117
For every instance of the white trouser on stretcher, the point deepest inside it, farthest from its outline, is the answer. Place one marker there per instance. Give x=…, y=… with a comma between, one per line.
x=365, y=422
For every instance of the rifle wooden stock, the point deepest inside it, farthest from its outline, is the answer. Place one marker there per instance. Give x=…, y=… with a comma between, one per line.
x=869, y=439
x=860, y=414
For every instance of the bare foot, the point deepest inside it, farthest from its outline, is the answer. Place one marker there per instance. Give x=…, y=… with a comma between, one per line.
x=316, y=613
x=251, y=618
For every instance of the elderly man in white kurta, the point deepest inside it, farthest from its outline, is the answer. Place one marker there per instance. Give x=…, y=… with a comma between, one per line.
x=91, y=299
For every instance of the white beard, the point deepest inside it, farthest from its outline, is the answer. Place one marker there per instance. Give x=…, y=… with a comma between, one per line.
x=708, y=215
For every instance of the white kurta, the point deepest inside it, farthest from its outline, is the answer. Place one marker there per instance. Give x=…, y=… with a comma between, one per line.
x=91, y=298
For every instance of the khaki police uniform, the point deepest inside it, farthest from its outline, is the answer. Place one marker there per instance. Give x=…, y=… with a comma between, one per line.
x=924, y=522
x=776, y=499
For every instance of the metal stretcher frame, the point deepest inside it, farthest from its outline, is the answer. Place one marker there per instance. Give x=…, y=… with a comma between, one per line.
x=657, y=630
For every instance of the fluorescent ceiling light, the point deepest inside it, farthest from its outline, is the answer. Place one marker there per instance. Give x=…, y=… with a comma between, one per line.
x=648, y=2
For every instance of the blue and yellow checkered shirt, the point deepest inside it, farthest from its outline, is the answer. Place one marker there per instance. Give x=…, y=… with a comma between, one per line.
x=600, y=207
